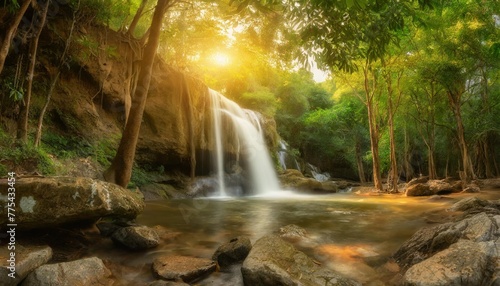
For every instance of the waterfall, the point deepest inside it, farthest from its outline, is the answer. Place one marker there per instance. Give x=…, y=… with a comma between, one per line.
x=248, y=144
x=284, y=156
x=316, y=173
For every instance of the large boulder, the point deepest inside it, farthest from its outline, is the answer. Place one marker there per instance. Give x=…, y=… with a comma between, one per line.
x=445, y=186
x=24, y=262
x=424, y=187
x=273, y=261
x=51, y=201
x=430, y=240
x=472, y=203
x=83, y=272
x=137, y=237
x=419, y=180
x=462, y=252
x=234, y=251
x=463, y=263
x=490, y=183
x=294, y=179
x=185, y=268
x=418, y=190
x=292, y=233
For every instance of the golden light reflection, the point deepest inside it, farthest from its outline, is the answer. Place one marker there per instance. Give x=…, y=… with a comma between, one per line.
x=349, y=260
x=347, y=252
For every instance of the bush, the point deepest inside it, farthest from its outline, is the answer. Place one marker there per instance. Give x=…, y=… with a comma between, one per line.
x=66, y=147
x=23, y=156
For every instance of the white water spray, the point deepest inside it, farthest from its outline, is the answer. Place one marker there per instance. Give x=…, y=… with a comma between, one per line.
x=249, y=141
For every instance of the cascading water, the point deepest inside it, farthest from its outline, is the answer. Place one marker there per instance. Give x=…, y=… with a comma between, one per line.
x=317, y=174
x=250, y=145
x=284, y=156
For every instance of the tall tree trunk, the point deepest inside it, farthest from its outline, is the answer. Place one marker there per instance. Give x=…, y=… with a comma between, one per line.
x=137, y=17
x=359, y=162
x=11, y=30
x=373, y=126
x=468, y=170
x=38, y=135
x=394, y=175
x=22, y=123
x=431, y=163
x=121, y=168
x=431, y=146
x=391, y=109
x=407, y=164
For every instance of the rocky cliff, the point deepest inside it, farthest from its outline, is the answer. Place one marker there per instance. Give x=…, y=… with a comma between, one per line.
x=93, y=97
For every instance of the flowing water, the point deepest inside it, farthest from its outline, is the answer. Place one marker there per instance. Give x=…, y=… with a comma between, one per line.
x=250, y=145
x=351, y=234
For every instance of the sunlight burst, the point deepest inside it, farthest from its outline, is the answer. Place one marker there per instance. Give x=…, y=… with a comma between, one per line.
x=220, y=59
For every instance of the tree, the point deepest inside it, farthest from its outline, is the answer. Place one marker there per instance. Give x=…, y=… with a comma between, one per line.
x=56, y=74
x=393, y=100
x=340, y=132
x=22, y=124
x=453, y=79
x=461, y=42
x=344, y=34
x=121, y=168
x=424, y=96
x=10, y=32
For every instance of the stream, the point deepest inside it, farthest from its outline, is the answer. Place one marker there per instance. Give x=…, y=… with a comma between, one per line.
x=351, y=234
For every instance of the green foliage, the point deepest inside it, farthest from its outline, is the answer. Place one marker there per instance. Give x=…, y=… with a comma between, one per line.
x=144, y=175
x=14, y=154
x=3, y=170
x=319, y=98
x=90, y=47
x=103, y=151
x=101, y=11
x=12, y=85
x=298, y=96
x=262, y=100
x=140, y=177
x=15, y=93
x=12, y=5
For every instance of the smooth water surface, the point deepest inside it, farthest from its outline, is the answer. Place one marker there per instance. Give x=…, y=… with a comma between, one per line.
x=345, y=231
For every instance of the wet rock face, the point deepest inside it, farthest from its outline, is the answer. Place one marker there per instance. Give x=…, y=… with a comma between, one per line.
x=234, y=251
x=27, y=259
x=463, y=263
x=424, y=187
x=471, y=203
x=272, y=261
x=50, y=202
x=182, y=268
x=136, y=237
x=292, y=233
x=463, y=252
x=419, y=190
x=83, y=272
x=294, y=179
